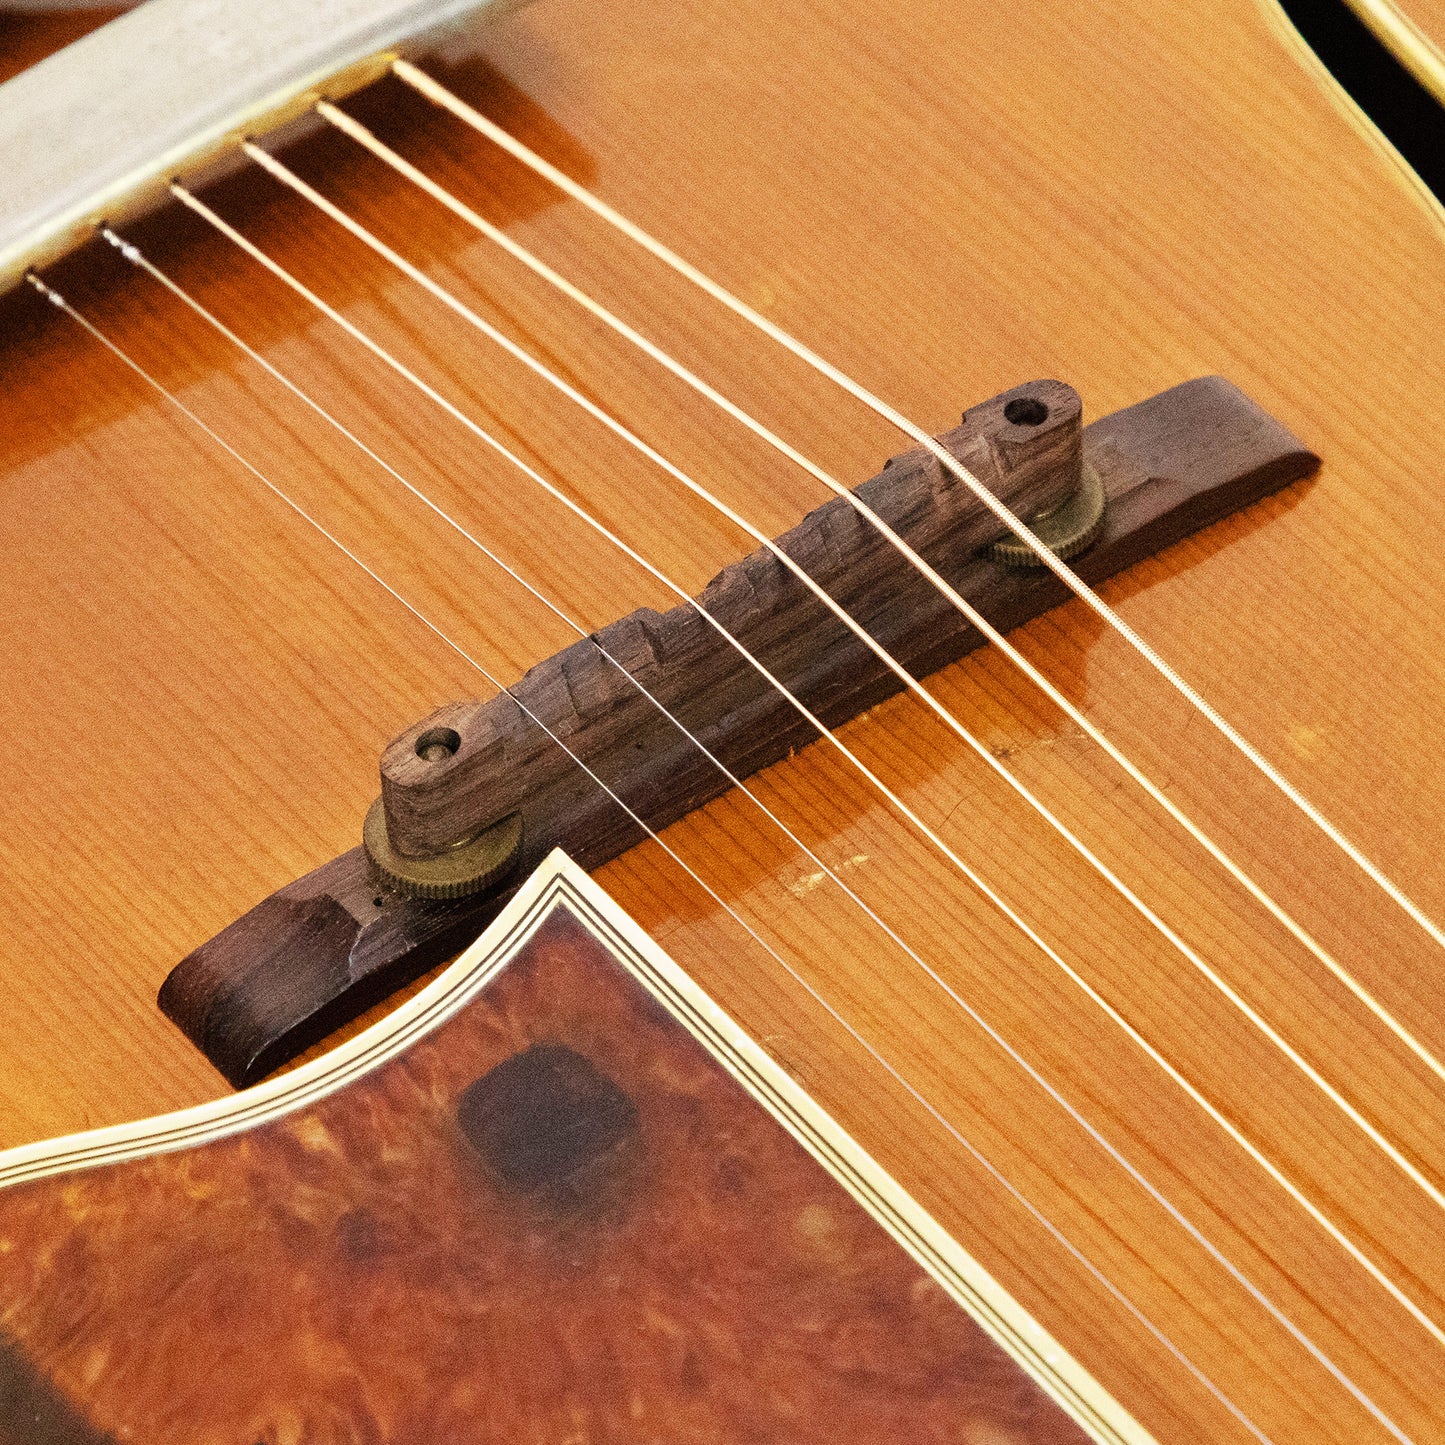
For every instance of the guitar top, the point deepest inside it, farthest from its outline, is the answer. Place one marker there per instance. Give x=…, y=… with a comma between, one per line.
x=1160, y=1057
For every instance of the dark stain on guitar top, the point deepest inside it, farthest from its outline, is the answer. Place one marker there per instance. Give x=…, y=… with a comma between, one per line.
x=553, y=1217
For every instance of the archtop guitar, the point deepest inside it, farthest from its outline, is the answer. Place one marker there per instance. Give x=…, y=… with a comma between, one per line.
x=768, y=682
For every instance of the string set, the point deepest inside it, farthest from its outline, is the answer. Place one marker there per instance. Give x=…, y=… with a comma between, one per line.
x=931, y=836
x=134, y=255
x=456, y=107
x=919, y=691
x=420, y=81
x=359, y=133
x=1217, y=1115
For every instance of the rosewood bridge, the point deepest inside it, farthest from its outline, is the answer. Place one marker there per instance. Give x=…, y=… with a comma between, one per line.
x=476, y=795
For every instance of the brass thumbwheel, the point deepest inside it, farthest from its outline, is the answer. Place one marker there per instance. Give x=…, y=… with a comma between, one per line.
x=1065, y=529
x=458, y=873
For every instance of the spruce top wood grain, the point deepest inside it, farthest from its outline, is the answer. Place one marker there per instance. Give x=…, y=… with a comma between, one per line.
x=946, y=199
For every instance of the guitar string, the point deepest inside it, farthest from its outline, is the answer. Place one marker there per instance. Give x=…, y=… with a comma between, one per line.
x=1397, y=1157
x=1213, y=1112
x=439, y=95
x=133, y=254
x=364, y=137
x=1034, y=1212
x=1304, y=1340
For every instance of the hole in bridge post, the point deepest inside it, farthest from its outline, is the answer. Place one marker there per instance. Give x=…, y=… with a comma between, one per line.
x=1026, y=411
x=436, y=745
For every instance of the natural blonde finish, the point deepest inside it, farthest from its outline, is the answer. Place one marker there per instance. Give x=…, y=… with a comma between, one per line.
x=944, y=200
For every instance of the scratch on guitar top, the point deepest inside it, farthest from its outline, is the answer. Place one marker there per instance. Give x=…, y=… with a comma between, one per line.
x=1063, y=736
x=806, y=884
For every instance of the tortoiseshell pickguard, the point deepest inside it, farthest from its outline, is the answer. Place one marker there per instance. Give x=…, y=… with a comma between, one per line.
x=619, y=1246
